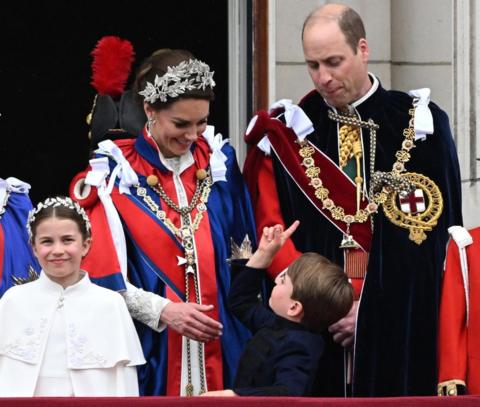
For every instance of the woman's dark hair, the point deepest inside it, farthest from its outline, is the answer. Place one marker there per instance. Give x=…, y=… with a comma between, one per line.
x=157, y=64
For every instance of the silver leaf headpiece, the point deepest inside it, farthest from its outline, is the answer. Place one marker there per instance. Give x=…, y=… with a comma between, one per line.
x=54, y=202
x=187, y=75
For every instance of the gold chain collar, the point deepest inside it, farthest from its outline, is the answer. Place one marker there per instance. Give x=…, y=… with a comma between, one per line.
x=383, y=184
x=312, y=171
x=201, y=194
x=384, y=187
x=185, y=235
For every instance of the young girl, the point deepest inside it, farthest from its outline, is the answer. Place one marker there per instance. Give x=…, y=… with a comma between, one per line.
x=61, y=334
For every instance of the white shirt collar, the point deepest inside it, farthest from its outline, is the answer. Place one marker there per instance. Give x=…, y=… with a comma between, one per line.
x=177, y=164
x=371, y=91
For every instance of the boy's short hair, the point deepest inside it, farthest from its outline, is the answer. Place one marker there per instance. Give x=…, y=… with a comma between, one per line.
x=322, y=288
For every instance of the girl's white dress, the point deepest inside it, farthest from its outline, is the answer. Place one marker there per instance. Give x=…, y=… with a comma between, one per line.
x=77, y=341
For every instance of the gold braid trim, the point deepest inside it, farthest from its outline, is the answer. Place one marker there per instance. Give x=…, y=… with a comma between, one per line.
x=348, y=136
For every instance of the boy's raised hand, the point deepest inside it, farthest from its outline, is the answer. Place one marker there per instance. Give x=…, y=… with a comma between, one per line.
x=273, y=238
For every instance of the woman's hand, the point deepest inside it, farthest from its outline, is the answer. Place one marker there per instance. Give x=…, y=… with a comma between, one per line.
x=219, y=393
x=189, y=320
x=343, y=331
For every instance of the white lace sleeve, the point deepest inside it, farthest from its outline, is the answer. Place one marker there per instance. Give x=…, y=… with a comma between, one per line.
x=145, y=306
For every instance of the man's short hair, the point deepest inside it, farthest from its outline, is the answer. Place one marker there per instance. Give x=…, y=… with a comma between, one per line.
x=352, y=27
x=350, y=24
x=322, y=288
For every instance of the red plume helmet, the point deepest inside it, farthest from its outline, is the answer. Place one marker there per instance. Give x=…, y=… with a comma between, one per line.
x=114, y=114
x=111, y=66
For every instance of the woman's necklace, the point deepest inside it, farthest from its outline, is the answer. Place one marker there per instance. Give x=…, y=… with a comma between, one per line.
x=199, y=200
x=185, y=234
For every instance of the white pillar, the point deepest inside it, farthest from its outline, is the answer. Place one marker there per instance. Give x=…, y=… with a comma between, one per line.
x=237, y=75
x=466, y=106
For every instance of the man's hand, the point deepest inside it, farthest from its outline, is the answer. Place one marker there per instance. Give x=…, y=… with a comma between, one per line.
x=219, y=393
x=343, y=331
x=189, y=320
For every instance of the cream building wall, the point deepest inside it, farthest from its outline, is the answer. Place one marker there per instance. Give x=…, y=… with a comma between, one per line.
x=413, y=44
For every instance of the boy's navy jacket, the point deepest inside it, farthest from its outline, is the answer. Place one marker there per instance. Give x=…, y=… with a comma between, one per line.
x=283, y=356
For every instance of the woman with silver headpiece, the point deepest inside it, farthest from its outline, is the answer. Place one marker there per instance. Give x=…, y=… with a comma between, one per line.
x=166, y=210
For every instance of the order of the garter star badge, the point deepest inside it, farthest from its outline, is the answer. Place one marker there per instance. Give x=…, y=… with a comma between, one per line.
x=418, y=210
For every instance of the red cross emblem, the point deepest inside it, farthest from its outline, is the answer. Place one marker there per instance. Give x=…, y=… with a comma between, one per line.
x=413, y=202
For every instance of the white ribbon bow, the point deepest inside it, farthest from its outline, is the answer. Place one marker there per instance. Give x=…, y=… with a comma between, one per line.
x=295, y=118
x=98, y=174
x=423, y=122
x=123, y=170
x=217, y=158
x=11, y=184
x=97, y=177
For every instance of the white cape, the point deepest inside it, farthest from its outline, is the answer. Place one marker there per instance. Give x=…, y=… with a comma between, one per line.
x=102, y=344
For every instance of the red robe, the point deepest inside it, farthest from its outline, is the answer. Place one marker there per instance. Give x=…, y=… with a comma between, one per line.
x=153, y=258
x=459, y=337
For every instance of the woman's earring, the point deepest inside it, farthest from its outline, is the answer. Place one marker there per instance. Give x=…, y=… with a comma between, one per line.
x=150, y=123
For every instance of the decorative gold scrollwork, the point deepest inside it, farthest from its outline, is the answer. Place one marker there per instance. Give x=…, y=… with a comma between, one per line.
x=417, y=223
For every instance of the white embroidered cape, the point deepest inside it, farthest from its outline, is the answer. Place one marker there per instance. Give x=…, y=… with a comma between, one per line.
x=101, y=341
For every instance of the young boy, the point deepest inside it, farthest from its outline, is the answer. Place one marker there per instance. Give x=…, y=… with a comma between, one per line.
x=282, y=357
